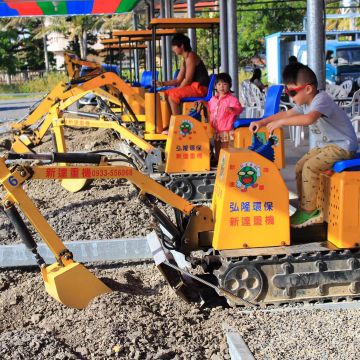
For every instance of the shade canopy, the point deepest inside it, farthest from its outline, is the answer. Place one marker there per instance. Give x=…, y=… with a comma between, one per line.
x=18, y=8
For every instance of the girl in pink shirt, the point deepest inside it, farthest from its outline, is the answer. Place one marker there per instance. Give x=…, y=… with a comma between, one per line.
x=224, y=108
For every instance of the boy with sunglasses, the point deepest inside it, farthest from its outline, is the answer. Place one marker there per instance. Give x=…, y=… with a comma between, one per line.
x=333, y=132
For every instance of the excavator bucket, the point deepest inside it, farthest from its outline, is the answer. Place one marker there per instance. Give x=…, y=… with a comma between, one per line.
x=74, y=185
x=73, y=285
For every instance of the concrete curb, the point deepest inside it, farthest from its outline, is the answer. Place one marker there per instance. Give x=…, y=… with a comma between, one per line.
x=84, y=251
x=237, y=347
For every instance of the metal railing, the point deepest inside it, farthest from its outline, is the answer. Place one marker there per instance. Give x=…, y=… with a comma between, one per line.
x=22, y=76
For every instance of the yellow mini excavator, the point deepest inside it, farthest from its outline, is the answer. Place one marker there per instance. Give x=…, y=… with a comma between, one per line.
x=73, y=65
x=115, y=92
x=241, y=247
x=184, y=166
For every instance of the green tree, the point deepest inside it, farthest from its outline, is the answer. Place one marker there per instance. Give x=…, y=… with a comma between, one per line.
x=8, y=52
x=31, y=54
x=28, y=48
x=108, y=23
x=204, y=42
x=257, y=20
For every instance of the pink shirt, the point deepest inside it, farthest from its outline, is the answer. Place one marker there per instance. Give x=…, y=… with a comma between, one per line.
x=220, y=118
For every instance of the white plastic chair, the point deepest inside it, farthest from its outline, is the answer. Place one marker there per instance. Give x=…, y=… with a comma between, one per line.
x=352, y=108
x=245, y=93
x=355, y=123
x=299, y=135
x=296, y=132
x=287, y=105
x=253, y=99
x=346, y=86
x=336, y=91
x=242, y=96
x=257, y=96
x=257, y=99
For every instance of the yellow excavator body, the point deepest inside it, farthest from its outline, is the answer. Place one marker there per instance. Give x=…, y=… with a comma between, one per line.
x=188, y=146
x=244, y=237
x=248, y=211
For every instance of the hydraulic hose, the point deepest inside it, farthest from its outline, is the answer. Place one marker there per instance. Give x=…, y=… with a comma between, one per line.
x=81, y=158
x=23, y=232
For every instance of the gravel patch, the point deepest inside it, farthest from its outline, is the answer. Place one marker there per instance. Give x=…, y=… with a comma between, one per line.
x=143, y=319
x=106, y=209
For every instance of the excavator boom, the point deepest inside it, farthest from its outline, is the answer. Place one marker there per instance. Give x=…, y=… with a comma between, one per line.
x=77, y=89
x=66, y=280
x=73, y=66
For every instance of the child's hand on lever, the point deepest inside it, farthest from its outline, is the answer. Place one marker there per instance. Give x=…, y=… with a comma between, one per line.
x=254, y=126
x=272, y=126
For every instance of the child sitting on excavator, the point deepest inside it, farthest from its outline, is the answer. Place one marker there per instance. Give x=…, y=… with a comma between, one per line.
x=224, y=108
x=334, y=135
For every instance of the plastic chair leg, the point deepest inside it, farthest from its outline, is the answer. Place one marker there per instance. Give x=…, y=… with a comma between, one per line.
x=297, y=136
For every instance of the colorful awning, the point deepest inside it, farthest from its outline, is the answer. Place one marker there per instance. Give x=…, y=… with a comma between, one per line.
x=14, y=8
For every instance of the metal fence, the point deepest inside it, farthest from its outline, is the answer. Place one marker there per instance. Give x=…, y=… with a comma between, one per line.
x=20, y=77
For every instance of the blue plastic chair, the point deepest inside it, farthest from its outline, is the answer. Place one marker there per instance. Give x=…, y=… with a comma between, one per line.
x=163, y=88
x=348, y=165
x=208, y=95
x=111, y=68
x=107, y=67
x=272, y=104
x=146, y=79
x=176, y=73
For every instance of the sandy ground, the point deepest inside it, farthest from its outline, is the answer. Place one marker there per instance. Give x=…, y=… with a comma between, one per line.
x=142, y=318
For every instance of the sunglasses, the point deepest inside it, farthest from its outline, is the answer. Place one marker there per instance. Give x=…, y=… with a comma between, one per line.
x=294, y=91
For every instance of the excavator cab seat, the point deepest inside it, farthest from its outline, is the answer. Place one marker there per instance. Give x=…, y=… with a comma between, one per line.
x=348, y=165
x=272, y=104
x=209, y=94
x=107, y=67
x=338, y=194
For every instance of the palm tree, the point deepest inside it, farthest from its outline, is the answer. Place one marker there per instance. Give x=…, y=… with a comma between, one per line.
x=114, y=22
x=71, y=27
x=75, y=27
x=80, y=26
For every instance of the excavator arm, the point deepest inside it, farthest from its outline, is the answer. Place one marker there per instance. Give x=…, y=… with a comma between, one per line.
x=49, y=100
x=53, y=111
x=77, y=89
x=70, y=282
x=73, y=66
x=22, y=142
x=108, y=79
x=66, y=280
x=200, y=217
